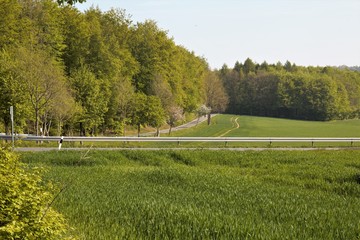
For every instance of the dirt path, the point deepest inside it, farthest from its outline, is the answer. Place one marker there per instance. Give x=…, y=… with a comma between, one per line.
x=237, y=125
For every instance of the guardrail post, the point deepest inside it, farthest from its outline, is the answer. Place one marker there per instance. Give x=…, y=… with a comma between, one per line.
x=60, y=142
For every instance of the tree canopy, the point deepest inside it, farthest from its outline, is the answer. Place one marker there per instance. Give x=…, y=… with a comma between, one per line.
x=290, y=91
x=81, y=71
x=70, y=2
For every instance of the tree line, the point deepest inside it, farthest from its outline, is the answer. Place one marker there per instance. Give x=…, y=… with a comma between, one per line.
x=290, y=91
x=68, y=72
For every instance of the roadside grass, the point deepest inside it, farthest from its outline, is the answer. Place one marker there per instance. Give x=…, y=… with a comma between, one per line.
x=204, y=194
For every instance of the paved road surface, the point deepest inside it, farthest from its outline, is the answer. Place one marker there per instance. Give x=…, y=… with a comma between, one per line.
x=39, y=149
x=191, y=124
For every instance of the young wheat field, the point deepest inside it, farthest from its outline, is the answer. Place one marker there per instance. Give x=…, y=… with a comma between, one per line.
x=204, y=194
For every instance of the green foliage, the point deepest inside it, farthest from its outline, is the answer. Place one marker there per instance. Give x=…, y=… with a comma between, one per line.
x=42, y=44
x=9, y=25
x=76, y=38
x=160, y=59
x=291, y=91
x=146, y=110
x=175, y=115
x=92, y=95
x=209, y=194
x=153, y=50
x=43, y=81
x=25, y=211
x=9, y=88
x=41, y=26
x=216, y=97
x=308, y=97
x=70, y=2
x=155, y=112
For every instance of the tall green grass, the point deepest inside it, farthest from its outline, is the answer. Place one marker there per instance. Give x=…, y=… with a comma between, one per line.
x=207, y=194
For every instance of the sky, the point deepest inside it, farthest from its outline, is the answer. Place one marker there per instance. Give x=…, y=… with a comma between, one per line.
x=305, y=32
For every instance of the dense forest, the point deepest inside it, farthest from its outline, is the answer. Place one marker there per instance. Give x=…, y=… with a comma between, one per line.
x=290, y=91
x=67, y=72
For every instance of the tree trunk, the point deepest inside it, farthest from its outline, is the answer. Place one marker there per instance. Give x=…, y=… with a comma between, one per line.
x=59, y=127
x=81, y=129
x=209, y=118
x=7, y=128
x=47, y=126
x=81, y=132
x=138, y=130
x=37, y=121
x=170, y=130
x=157, y=132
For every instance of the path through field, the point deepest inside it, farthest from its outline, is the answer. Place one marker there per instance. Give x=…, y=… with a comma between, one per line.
x=235, y=125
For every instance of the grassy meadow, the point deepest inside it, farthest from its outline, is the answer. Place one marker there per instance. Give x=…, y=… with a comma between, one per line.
x=205, y=194
x=250, y=126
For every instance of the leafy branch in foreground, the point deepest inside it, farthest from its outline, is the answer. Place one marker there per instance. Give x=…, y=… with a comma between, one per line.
x=25, y=203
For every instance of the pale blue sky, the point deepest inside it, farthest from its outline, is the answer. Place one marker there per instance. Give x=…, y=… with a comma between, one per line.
x=306, y=32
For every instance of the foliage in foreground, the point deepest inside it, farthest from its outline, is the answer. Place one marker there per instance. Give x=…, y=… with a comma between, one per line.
x=25, y=211
x=208, y=194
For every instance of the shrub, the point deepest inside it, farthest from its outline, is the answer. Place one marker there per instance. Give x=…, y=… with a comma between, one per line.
x=25, y=200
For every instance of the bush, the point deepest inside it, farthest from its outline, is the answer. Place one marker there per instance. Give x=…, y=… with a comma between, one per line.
x=25, y=200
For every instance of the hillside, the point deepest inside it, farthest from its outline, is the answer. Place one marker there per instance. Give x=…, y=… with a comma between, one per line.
x=249, y=126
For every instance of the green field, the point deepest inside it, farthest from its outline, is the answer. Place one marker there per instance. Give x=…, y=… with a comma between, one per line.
x=249, y=126
x=207, y=194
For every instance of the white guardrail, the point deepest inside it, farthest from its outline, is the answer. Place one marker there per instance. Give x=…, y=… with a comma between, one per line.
x=182, y=139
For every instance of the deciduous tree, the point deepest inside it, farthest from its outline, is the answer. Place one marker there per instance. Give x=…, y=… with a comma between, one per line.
x=92, y=95
x=216, y=96
x=42, y=78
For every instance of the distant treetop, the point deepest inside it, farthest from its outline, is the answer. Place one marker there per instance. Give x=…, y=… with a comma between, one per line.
x=70, y=2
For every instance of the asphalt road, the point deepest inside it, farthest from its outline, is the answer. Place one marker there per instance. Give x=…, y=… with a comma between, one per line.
x=191, y=124
x=40, y=149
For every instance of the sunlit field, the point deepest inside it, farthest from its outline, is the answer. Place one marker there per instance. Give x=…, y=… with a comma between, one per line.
x=204, y=194
x=249, y=126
